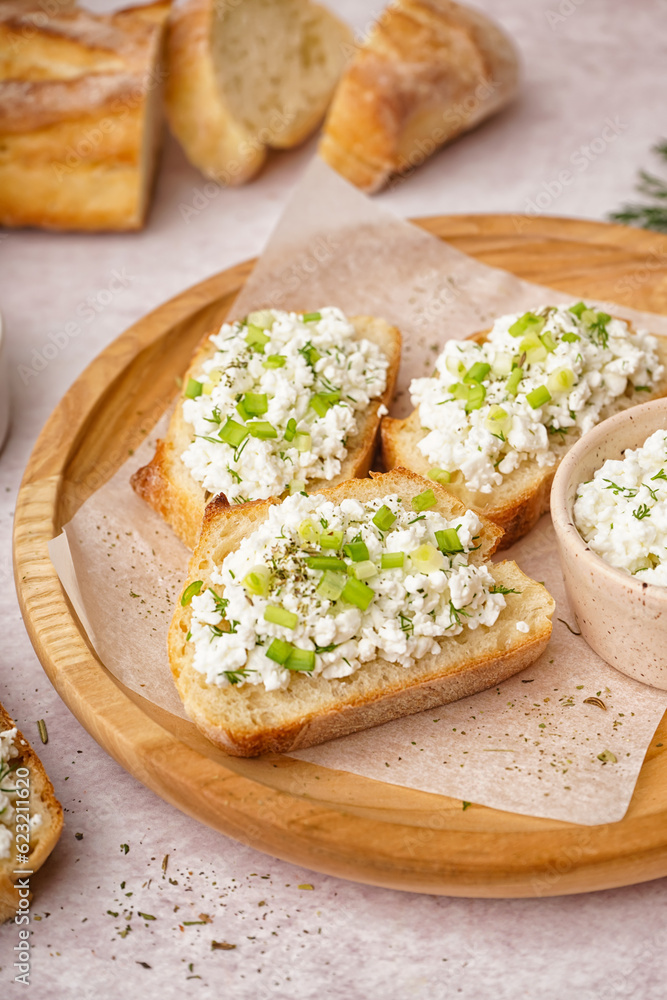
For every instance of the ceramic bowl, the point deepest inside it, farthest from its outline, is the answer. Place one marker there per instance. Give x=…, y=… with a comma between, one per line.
x=623, y=619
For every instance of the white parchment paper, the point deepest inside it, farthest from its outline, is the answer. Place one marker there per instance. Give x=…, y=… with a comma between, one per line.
x=531, y=745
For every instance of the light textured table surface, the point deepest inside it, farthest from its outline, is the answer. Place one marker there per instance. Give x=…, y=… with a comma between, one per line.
x=588, y=63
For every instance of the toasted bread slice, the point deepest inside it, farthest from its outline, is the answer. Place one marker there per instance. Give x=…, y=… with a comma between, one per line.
x=44, y=837
x=166, y=483
x=429, y=70
x=244, y=77
x=250, y=721
x=523, y=496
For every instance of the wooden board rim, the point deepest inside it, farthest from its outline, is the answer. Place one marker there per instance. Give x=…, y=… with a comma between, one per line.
x=434, y=847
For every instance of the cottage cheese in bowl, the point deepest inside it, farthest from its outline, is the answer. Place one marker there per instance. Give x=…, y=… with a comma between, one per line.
x=622, y=511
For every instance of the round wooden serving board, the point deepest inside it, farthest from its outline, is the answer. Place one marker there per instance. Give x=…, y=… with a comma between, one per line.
x=329, y=821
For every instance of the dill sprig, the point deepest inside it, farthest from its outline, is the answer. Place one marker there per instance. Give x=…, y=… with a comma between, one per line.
x=651, y=214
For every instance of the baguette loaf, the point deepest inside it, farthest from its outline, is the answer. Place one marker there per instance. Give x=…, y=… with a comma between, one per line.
x=523, y=496
x=251, y=720
x=247, y=76
x=80, y=115
x=44, y=837
x=429, y=70
x=166, y=483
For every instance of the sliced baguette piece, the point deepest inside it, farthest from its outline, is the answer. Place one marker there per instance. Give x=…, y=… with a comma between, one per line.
x=45, y=836
x=428, y=71
x=80, y=114
x=247, y=76
x=523, y=496
x=166, y=484
x=250, y=721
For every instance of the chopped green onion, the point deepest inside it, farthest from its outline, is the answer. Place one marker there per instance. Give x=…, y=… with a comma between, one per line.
x=263, y=318
x=233, y=433
x=424, y=501
x=365, y=570
x=280, y=616
x=331, y=585
x=191, y=591
x=241, y=410
x=538, y=397
x=454, y=366
x=477, y=372
x=548, y=341
x=258, y=580
x=384, y=518
x=321, y=402
x=311, y=355
x=578, y=309
x=255, y=403
x=308, y=531
x=358, y=593
x=392, y=560
x=274, y=361
x=588, y=317
x=498, y=421
x=426, y=558
x=311, y=317
x=279, y=650
x=561, y=380
x=331, y=539
x=301, y=659
x=476, y=397
x=534, y=349
x=302, y=442
x=570, y=338
x=297, y=486
x=262, y=429
x=448, y=540
x=256, y=338
x=290, y=430
x=502, y=363
x=459, y=390
x=326, y=562
x=512, y=384
x=439, y=475
x=528, y=323
x=193, y=388
x=357, y=551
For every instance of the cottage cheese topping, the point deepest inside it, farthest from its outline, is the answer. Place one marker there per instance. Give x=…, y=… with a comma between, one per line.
x=340, y=585
x=277, y=402
x=538, y=377
x=7, y=753
x=622, y=512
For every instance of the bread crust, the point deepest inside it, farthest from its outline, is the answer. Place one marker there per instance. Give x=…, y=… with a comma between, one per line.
x=80, y=116
x=429, y=70
x=201, y=113
x=523, y=496
x=45, y=837
x=167, y=486
x=252, y=721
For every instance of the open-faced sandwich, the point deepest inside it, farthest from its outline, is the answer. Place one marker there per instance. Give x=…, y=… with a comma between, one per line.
x=503, y=407
x=331, y=612
x=278, y=402
x=31, y=818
